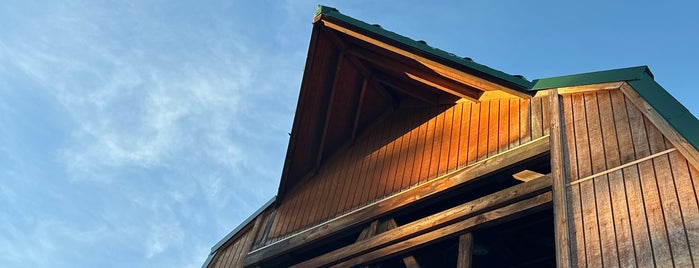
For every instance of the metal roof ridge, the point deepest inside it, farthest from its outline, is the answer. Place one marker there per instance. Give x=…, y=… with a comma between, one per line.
x=596, y=77
x=519, y=82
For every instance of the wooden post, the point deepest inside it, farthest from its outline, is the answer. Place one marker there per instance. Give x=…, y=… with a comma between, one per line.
x=465, y=248
x=558, y=185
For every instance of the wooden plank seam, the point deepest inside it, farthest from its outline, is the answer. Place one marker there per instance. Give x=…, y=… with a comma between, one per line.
x=622, y=166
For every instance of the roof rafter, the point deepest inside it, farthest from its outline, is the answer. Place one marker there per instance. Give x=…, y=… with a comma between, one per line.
x=412, y=73
x=437, y=67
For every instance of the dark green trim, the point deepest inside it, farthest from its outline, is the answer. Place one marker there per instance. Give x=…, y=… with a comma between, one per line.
x=454, y=60
x=669, y=108
x=641, y=79
x=624, y=74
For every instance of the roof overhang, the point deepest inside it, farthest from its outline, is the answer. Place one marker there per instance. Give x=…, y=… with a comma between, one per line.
x=356, y=73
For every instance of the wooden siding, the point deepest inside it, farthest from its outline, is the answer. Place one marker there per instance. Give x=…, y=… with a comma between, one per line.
x=233, y=254
x=642, y=213
x=234, y=251
x=411, y=146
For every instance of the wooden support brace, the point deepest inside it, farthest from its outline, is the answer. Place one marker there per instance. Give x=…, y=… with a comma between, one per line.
x=391, y=203
x=468, y=209
x=516, y=210
x=465, y=250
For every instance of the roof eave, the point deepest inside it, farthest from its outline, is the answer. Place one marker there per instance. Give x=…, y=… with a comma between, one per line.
x=499, y=77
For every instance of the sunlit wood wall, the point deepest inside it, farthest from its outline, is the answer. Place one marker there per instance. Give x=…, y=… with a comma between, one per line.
x=411, y=146
x=643, y=214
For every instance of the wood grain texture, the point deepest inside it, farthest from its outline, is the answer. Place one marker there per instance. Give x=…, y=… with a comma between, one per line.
x=355, y=218
x=559, y=163
x=465, y=248
x=411, y=146
x=516, y=210
x=641, y=208
x=432, y=222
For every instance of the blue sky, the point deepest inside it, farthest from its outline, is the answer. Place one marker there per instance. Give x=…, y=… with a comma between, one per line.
x=139, y=133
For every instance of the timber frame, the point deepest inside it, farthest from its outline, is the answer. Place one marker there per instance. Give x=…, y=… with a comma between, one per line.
x=399, y=149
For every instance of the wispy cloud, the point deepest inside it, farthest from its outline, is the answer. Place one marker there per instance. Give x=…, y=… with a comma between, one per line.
x=176, y=129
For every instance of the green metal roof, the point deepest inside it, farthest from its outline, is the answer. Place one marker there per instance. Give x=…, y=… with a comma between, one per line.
x=624, y=74
x=513, y=81
x=641, y=79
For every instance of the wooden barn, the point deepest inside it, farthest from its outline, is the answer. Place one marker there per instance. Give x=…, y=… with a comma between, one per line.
x=403, y=155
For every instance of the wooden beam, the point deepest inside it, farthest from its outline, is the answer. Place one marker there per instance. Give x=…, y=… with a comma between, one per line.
x=408, y=261
x=360, y=104
x=668, y=131
x=527, y=175
x=408, y=89
x=442, y=69
x=465, y=250
x=559, y=169
x=516, y=210
x=343, y=46
x=369, y=231
x=473, y=172
x=328, y=111
x=451, y=88
x=422, y=76
x=590, y=88
x=432, y=222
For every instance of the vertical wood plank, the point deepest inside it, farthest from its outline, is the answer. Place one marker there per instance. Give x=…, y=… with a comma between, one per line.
x=654, y=215
x=483, y=134
x=587, y=188
x=605, y=220
x=297, y=215
x=455, y=140
x=558, y=167
x=617, y=191
x=687, y=200
x=436, y=146
x=465, y=249
x=446, y=141
x=514, y=123
x=365, y=178
x=374, y=179
x=634, y=197
x=419, y=151
x=668, y=199
x=465, y=136
x=428, y=148
x=525, y=118
x=237, y=250
x=474, y=133
x=325, y=179
x=385, y=178
x=310, y=208
x=545, y=113
x=403, y=146
x=409, y=166
x=503, y=126
x=351, y=179
x=345, y=183
x=493, y=128
x=536, y=118
x=578, y=250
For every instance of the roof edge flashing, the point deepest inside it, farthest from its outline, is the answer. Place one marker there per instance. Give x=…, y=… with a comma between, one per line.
x=516, y=82
x=614, y=75
x=242, y=225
